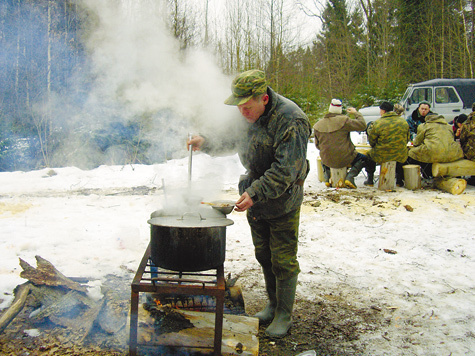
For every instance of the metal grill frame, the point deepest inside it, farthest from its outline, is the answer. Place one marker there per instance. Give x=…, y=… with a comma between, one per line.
x=202, y=283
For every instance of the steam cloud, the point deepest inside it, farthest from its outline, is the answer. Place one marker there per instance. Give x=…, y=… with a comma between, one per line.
x=140, y=72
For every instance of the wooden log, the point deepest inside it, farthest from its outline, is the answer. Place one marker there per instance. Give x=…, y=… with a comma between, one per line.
x=412, y=176
x=47, y=274
x=338, y=176
x=321, y=176
x=387, y=176
x=460, y=168
x=454, y=186
x=21, y=292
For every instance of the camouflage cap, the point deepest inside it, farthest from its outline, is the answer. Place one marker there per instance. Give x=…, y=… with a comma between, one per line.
x=246, y=85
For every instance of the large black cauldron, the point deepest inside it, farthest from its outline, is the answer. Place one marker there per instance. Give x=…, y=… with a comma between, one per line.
x=189, y=242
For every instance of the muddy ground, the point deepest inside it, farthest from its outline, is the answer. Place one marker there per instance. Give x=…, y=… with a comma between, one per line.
x=330, y=326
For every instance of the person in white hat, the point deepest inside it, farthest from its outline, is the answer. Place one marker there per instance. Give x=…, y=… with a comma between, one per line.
x=332, y=138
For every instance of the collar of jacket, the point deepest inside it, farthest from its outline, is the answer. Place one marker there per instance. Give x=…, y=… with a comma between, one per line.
x=270, y=108
x=330, y=122
x=390, y=114
x=439, y=119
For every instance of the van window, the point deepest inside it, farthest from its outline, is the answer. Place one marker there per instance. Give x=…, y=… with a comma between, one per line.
x=421, y=94
x=445, y=95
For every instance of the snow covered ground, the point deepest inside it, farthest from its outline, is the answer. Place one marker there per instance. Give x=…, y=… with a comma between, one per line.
x=365, y=245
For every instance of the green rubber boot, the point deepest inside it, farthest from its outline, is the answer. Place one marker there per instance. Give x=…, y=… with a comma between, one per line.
x=285, y=304
x=354, y=171
x=266, y=315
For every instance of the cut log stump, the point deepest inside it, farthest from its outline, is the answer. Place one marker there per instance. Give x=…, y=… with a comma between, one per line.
x=387, y=176
x=338, y=176
x=454, y=186
x=412, y=176
x=460, y=168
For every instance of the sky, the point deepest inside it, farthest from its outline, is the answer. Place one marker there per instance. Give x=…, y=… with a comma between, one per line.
x=94, y=223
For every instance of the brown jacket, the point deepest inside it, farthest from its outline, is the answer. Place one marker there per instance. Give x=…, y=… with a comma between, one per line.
x=332, y=138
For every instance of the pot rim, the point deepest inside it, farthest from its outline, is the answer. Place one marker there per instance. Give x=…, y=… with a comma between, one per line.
x=189, y=220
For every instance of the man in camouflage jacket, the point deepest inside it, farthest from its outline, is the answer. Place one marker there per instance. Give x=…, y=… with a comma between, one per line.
x=388, y=137
x=273, y=150
x=467, y=136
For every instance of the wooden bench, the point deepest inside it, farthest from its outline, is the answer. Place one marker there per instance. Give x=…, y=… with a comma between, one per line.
x=460, y=168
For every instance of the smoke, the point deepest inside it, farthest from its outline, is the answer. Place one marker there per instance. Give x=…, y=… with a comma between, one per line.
x=140, y=67
x=139, y=93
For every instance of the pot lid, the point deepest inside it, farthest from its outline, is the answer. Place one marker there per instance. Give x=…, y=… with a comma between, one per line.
x=190, y=220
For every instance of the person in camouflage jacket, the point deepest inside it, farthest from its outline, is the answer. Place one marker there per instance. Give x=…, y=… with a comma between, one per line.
x=273, y=150
x=434, y=143
x=388, y=137
x=467, y=136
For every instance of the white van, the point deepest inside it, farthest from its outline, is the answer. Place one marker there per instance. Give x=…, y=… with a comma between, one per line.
x=447, y=97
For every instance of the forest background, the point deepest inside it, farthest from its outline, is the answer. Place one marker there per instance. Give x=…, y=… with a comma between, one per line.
x=362, y=51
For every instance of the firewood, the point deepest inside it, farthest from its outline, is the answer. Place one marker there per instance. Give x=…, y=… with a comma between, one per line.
x=65, y=310
x=47, y=274
x=21, y=292
x=460, y=168
x=113, y=315
x=387, y=176
x=454, y=186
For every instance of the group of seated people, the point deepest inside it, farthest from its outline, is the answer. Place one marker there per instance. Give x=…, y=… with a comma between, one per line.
x=432, y=139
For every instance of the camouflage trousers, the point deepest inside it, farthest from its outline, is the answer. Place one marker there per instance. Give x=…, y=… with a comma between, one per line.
x=276, y=243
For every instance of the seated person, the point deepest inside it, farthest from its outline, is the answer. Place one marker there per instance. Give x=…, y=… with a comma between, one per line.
x=457, y=125
x=418, y=116
x=467, y=136
x=388, y=137
x=332, y=138
x=398, y=109
x=434, y=143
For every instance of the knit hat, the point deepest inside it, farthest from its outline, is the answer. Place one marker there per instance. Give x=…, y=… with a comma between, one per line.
x=335, y=106
x=424, y=102
x=386, y=106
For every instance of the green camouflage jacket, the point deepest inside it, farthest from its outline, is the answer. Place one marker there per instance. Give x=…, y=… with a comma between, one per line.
x=467, y=137
x=388, y=137
x=273, y=150
x=435, y=142
x=274, y=153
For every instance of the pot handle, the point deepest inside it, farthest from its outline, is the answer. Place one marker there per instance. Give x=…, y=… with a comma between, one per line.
x=197, y=215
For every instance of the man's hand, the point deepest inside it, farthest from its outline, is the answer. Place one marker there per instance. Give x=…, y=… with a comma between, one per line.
x=195, y=142
x=351, y=110
x=244, y=202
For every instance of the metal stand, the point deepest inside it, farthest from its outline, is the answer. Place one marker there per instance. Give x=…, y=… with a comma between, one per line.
x=175, y=284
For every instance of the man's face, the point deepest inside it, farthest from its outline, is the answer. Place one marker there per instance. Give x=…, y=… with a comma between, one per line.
x=254, y=108
x=424, y=109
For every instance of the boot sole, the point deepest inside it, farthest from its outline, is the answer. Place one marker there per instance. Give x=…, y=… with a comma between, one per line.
x=350, y=185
